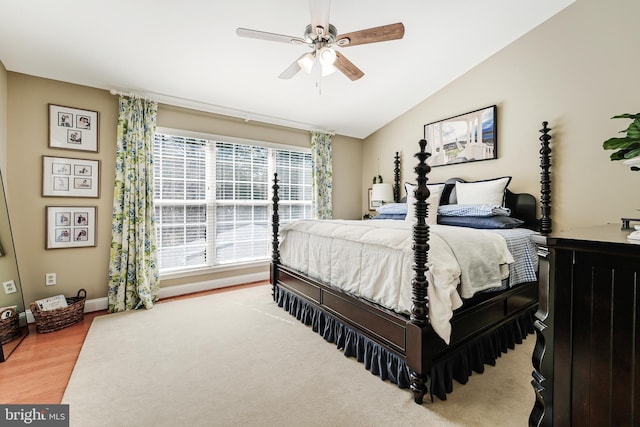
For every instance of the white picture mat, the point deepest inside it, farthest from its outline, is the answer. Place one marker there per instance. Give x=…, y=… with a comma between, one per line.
x=73, y=128
x=71, y=226
x=69, y=177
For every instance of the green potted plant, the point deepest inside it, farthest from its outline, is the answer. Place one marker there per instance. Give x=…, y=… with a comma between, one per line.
x=627, y=147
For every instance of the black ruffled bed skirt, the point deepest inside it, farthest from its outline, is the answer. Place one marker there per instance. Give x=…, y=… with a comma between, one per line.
x=387, y=365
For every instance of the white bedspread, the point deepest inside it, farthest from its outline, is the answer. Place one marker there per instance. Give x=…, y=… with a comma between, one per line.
x=373, y=260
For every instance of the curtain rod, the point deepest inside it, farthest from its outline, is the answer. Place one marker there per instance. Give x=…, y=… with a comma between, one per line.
x=225, y=111
x=130, y=95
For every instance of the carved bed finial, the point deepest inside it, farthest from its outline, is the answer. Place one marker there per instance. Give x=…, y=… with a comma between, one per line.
x=275, y=221
x=396, y=178
x=545, y=179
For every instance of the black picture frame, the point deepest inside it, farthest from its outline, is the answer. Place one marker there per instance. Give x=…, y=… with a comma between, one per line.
x=71, y=227
x=468, y=137
x=73, y=128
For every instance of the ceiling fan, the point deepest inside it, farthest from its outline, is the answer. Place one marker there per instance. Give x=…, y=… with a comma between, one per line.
x=321, y=37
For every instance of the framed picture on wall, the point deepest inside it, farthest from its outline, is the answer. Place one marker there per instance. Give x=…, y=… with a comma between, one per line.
x=68, y=177
x=73, y=129
x=70, y=227
x=469, y=137
x=373, y=204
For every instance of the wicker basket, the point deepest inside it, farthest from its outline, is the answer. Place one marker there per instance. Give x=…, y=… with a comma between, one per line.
x=9, y=329
x=60, y=318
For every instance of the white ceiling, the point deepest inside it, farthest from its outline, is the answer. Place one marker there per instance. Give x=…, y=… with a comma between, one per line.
x=187, y=52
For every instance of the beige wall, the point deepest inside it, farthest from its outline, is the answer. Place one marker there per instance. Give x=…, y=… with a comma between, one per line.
x=27, y=142
x=347, y=151
x=576, y=71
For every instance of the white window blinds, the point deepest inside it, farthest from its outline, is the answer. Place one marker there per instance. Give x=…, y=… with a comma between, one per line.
x=212, y=199
x=180, y=197
x=242, y=189
x=294, y=173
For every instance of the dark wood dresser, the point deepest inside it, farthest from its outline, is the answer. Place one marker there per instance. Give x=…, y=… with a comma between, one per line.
x=587, y=354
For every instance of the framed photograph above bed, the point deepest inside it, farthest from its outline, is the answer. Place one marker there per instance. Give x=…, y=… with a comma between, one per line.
x=469, y=137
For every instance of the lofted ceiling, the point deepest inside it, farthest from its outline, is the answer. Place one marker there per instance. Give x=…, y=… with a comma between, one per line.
x=187, y=53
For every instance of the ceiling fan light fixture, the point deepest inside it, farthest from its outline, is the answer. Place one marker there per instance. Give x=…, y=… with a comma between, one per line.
x=327, y=56
x=306, y=63
x=328, y=69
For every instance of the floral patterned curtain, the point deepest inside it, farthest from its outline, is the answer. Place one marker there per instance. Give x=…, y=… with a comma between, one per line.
x=133, y=266
x=322, y=174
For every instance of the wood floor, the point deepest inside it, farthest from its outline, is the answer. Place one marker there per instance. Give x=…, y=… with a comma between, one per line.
x=39, y=369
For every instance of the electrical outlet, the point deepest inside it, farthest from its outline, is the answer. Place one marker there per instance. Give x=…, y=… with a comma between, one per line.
x=9, y=287
x=50, y=279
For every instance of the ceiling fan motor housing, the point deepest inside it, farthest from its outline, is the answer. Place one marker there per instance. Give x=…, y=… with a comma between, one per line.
x=318, y=35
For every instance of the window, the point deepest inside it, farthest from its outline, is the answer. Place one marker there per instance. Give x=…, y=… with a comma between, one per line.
x=213, y=199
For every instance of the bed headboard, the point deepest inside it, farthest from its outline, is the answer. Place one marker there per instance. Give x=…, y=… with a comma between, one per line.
x=522, y=205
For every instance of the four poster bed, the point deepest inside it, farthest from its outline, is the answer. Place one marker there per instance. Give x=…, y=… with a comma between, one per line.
x=423, y=328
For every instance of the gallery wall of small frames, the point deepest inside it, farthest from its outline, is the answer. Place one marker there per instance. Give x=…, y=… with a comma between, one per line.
x=71, y=129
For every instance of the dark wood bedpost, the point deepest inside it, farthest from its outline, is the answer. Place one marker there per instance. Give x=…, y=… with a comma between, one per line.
x=545, y=180
x=396, y=178
x=542, y=358
x=275, y=224
x=419, y=284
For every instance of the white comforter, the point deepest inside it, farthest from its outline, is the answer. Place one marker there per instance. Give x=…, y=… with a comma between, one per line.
x=373, y=259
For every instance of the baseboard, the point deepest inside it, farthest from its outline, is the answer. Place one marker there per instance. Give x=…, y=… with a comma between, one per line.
x=97, y=304
x=189, y=288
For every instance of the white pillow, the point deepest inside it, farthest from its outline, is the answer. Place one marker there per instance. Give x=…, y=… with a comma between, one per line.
x=489, y=192
x=433, y=201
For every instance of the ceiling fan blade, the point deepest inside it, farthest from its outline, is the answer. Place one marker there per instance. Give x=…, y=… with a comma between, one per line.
x=372, y=35
x=347, y=67
x=262, y=35
x=320, y=14
x=292, y=69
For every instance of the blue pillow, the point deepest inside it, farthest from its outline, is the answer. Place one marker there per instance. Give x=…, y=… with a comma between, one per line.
x=389, y=216
x=498, y=221
x=472, y=210
x=393, y=208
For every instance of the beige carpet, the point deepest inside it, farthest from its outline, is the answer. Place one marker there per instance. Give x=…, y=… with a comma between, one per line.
x=235, y=358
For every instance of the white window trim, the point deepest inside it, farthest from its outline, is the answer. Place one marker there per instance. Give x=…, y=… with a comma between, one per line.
x=199, y=271
x=232, y=139
x=239, y=266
